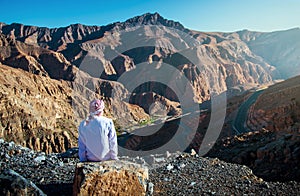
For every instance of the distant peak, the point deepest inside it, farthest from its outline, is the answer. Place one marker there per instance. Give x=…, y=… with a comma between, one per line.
x=294, y=29
x=153, y=19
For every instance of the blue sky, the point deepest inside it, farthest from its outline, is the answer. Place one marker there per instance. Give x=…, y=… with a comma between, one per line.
x=201, y=15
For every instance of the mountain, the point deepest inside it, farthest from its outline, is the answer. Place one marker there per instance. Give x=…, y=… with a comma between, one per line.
x=39, y=100
x=145, y=69
x=34, y=59
x=224, y=58
x=56, y=38
x=278, y=108
x=280, y=49
x=272, y=150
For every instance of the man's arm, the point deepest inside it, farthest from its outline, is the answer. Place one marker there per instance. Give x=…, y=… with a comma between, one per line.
x=81, y=147
x=113, y=144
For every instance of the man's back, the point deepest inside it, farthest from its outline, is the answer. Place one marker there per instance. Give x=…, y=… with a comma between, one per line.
x=97, y=139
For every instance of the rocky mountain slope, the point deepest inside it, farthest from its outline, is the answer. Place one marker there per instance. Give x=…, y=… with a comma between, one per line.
x=280, y=49
x=43, y=113
x=35, y=111
x=225, y=58
x=273, y=149
x=278, y=108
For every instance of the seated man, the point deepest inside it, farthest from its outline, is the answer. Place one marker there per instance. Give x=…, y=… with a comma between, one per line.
x=97, y=139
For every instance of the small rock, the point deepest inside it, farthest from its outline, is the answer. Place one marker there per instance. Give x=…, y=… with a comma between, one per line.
x=170, y=167
x=192, y=183
x=42, y=180
x=150, y=188
x=193, y=152
x=11, y=144
x=7, y=156
x=40, y=158
x=181, y=165
x=159, y=159
x=168, y=154
x=61, y=164
x=266, y=185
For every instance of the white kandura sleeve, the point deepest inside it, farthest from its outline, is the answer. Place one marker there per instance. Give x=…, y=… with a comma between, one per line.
x=81, y=146
x=113, y=144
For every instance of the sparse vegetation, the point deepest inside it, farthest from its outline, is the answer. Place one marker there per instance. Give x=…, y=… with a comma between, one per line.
x=149, y=121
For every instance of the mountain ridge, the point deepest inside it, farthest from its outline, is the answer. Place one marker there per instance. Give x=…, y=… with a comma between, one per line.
x=67, y=40
x=148, y=15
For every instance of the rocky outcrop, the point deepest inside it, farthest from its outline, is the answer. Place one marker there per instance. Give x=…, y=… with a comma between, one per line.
x=13, y=183
x=34, y=59
x=35, y=111
x=278, y=108
x=110, y=178
x=156, y=105
x=153, y=19
x=272, y=156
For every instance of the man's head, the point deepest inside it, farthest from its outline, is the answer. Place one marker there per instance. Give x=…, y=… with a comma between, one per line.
x=96, y=107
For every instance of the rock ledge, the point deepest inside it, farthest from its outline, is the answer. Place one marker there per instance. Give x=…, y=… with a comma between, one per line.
x=110, y=178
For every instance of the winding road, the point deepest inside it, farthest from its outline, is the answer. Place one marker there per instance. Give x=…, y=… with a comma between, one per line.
x=239, y=124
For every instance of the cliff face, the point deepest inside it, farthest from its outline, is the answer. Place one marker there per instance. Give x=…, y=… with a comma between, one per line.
x=272, y=156
x=278, y=108
x=35, y=111
x=43, y=113
x=272, y=150
x=280, y=49
x=34, y=59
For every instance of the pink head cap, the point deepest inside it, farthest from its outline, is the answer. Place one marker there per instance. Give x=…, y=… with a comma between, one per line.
x=96, y=106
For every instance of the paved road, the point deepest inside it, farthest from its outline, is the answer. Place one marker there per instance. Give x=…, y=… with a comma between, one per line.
x=239, y=124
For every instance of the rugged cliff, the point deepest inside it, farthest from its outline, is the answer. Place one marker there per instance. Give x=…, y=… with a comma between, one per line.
x=278, y=108
x=272, y=150
x=43, y=114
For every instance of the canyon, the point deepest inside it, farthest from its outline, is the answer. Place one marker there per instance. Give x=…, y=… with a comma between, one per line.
x=66, y=57
x=154, y=74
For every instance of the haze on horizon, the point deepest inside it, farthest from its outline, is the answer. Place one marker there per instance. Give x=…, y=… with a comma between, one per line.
x=203, y=15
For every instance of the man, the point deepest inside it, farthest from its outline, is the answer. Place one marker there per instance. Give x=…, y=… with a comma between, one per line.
x=97, y=139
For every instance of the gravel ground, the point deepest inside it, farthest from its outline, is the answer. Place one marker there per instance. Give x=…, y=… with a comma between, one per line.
x=171, y=174
x=193, y=175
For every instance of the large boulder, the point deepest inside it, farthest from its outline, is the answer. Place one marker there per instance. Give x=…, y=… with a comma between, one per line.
x=12, y=183
x=110, y=178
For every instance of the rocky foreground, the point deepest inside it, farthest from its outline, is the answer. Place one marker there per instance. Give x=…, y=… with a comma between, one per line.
x=169, y=174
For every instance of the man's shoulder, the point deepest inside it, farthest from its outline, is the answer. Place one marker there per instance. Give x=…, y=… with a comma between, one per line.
x=81, y=124
x=104, y=119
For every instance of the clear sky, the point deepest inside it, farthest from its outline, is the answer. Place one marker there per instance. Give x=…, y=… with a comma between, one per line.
x=201, y=15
